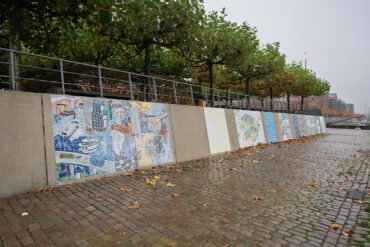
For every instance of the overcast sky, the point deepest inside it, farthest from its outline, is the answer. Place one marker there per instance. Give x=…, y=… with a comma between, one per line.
x=335, y=34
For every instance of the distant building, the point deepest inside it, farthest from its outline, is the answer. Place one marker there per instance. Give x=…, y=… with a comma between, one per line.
x=350, y=108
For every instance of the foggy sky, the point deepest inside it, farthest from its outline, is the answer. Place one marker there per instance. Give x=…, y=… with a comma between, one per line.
x=335, y=34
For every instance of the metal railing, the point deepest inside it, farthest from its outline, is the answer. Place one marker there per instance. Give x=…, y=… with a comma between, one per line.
x=39, y=73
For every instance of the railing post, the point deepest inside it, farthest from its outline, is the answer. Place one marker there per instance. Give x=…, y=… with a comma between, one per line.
x=240, y=107
x=206, y=94
x=130, y=86
x=191, y=95
x=228, y=98
x=218, y=97
x=155, y=90
x=174, y=91
x=12, y=65
x=62, y=76
x=262, y=104
x=247, y=106
x=100, y=82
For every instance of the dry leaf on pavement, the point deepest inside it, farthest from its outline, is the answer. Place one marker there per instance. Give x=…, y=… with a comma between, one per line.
x=97, y=196
x=187, y=179
x=135, y=206
x=329, y=180
x=127, y=174
x=170, y=185
x=175, y=195
x=341, y=189
x=68, y=186
x=349, y=233
x=273, y=191
x=359, y=202
x=334, y=226
x=305, y=192
x=157, y=177
x=259, y=198
x=311, y=184
x=125, y=189
x=151, y=181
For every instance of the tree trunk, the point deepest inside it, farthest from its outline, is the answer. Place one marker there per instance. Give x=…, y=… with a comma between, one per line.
x=15, y=28
x=271, y=98
x=288, y=100
x=302, y=101
x=247, y=90
x=148, y=71
x=211, y=82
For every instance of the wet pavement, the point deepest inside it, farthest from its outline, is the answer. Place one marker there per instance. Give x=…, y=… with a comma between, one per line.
x=285, y=194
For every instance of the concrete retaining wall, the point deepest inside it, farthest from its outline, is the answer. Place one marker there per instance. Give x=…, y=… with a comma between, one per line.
x=22, y=143
x=51, y=139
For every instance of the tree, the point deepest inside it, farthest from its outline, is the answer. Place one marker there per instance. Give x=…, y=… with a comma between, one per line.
x=37, y=24
x=273, y=68
x=155, y=23
x=216, y=42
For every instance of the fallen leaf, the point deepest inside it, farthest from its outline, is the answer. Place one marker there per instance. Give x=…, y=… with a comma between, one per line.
x=68, y=186
x=141, y=171
x=334, y=226
x=170, y=185
x=305, y=192
x=175, y=195
x=38, y=190
x=311, y=184
x=249, y=154
x=50, y=189
x=199, y=170
x=329, y=180
x=273, y=191
x=127, y=174
x=359, y=202
x=272, y=155
x=255, y=161
x=135, y=206
x=341, y=189
x=157, y=177
x=151, y=181
x=97, y=196
x=313, y=164
x=350, y=233
x=232, y=169
x=170, y=167
x=116, y=182
x=164, y=180
x=187, y=179
x=259, y=198
x=105, y=176
x=125, y=189
x=179, y=170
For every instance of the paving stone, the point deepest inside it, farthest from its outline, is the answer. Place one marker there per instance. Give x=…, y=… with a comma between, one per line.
x=216, y=208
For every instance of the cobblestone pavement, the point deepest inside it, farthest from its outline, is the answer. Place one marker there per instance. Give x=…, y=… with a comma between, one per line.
x=218, y=203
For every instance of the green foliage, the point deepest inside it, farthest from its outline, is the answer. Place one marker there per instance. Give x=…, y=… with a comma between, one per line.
x=170, y=38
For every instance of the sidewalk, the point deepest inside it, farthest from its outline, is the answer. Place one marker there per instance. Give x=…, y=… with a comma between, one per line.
x=279, y=195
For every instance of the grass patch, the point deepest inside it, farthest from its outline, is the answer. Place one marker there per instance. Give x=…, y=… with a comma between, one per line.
x=163, y=171
x=367, y=209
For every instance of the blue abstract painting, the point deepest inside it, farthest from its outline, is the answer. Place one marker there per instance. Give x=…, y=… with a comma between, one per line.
x=270, y=126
